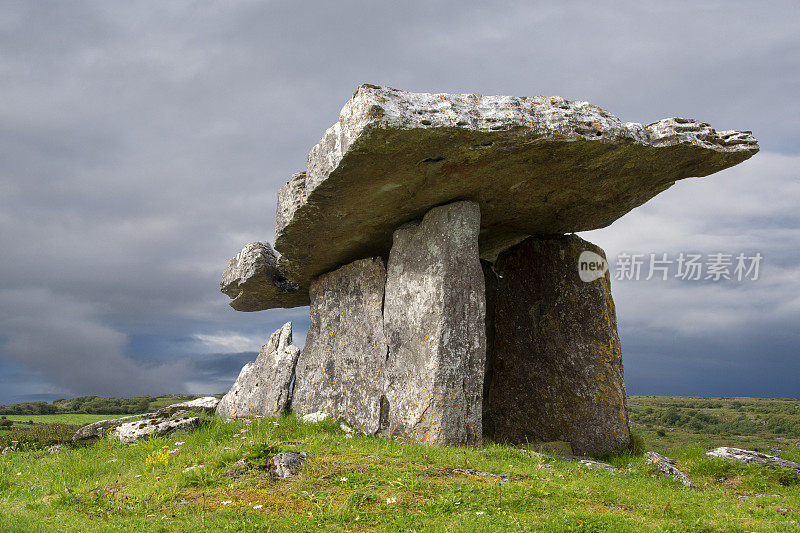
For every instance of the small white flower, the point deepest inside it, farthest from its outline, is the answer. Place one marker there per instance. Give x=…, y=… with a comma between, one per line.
x=458, y=503
x=479, y=513
x=343, y=479
x=226, y=502
x=112, y=460
x=19, y=473
x=138, y=475
x=348, y=436
x=179, y=443
x=257, y=506
x=390, y=500
x=275, y=424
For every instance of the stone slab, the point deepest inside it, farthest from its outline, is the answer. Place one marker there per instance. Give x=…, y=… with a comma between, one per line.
x=535, y=165
x=254, y=282
x=434, y=322
x=341, y=370
x=557, y=361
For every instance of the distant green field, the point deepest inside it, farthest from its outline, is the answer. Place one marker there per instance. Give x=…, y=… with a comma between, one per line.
x=62, y=419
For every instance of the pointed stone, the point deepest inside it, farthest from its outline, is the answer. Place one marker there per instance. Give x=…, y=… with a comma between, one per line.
x=557, y=362
x=263, y=385
x=434, y=323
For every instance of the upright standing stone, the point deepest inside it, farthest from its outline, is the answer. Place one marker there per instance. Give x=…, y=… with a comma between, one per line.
x=434, y=323
x=341, y=370
x=557, y=361
x=263, y=385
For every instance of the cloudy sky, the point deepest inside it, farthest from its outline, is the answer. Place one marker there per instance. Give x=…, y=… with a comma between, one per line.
x=142, y=144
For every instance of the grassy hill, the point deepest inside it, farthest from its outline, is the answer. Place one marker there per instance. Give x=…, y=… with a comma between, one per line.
x=363, y=483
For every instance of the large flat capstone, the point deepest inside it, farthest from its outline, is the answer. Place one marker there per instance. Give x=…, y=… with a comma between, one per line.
x=556, y=361
x=341, y=370
x=434, y=323
x=263, y=385
x=535, y=165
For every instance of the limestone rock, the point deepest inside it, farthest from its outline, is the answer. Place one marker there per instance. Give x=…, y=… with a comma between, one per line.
x=588, y=463
x=535, y=165
x=434, y=323
x=7, y=450
x=93, y=432
x=341, y=370
x=255, y=282
x=557, y=362
x=55, y=449
x=747, y=456
x=668, y=467
x=288, y=464
x=153, y=427
x=206, y=404
x=315, y=417
x=262, y=388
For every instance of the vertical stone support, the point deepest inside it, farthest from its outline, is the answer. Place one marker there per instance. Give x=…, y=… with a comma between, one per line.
x=341, y=369
x=556, y=357
x=434, y=323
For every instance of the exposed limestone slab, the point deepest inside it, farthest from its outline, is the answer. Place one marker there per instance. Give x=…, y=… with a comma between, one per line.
x=667, y=467
x=206, y=404
x=153, y=427
x=254, y=281
x=748, y=456
x=263, y=385
x=535, y=165
x=557, y=363
x=341, y=370
x=434, y=323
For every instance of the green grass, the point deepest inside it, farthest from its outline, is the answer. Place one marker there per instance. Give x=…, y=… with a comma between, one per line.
x=79, y=418
x=365, y=483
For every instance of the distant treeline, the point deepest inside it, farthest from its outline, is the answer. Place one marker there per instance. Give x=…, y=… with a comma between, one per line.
x=100, y=405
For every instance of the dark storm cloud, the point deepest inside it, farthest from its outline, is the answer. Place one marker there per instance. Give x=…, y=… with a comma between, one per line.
x=142, y=145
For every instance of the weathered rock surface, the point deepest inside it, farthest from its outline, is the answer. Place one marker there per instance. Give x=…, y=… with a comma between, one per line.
x=206, y=404
x=153, y=427
x=341, y=369
x=262, y=388
x=7, y=450
x=748, y=456
x=288, y=464
x=254, y=281
x=94, y=431
x=434, y=323
x=557, y=363
x=667, y=467
x=535, y=165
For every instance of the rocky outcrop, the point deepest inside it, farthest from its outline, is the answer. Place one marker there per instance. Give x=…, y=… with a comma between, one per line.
x=556, y=362
x=536, y=165
x=288, y=464
x=153, y=427
x=747, y=456
x=93, y=432
x=254, y=281
x=434, y=322
x=206, y=404
x=667, y=467
x=341, y=370
x=263, y=385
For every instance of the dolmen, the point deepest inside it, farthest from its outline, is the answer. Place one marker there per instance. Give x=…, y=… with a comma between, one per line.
x=432, y=237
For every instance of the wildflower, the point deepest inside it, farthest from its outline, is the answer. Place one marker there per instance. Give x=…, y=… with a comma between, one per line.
x=226, y=502
x=479, y=513
x=179, y=443
x=390, y=500
x=258, y=506
x=19, y=473
x=343, y=479
x=138, y=475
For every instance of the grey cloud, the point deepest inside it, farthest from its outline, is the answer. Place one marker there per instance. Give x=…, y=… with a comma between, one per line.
x=143, y=143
